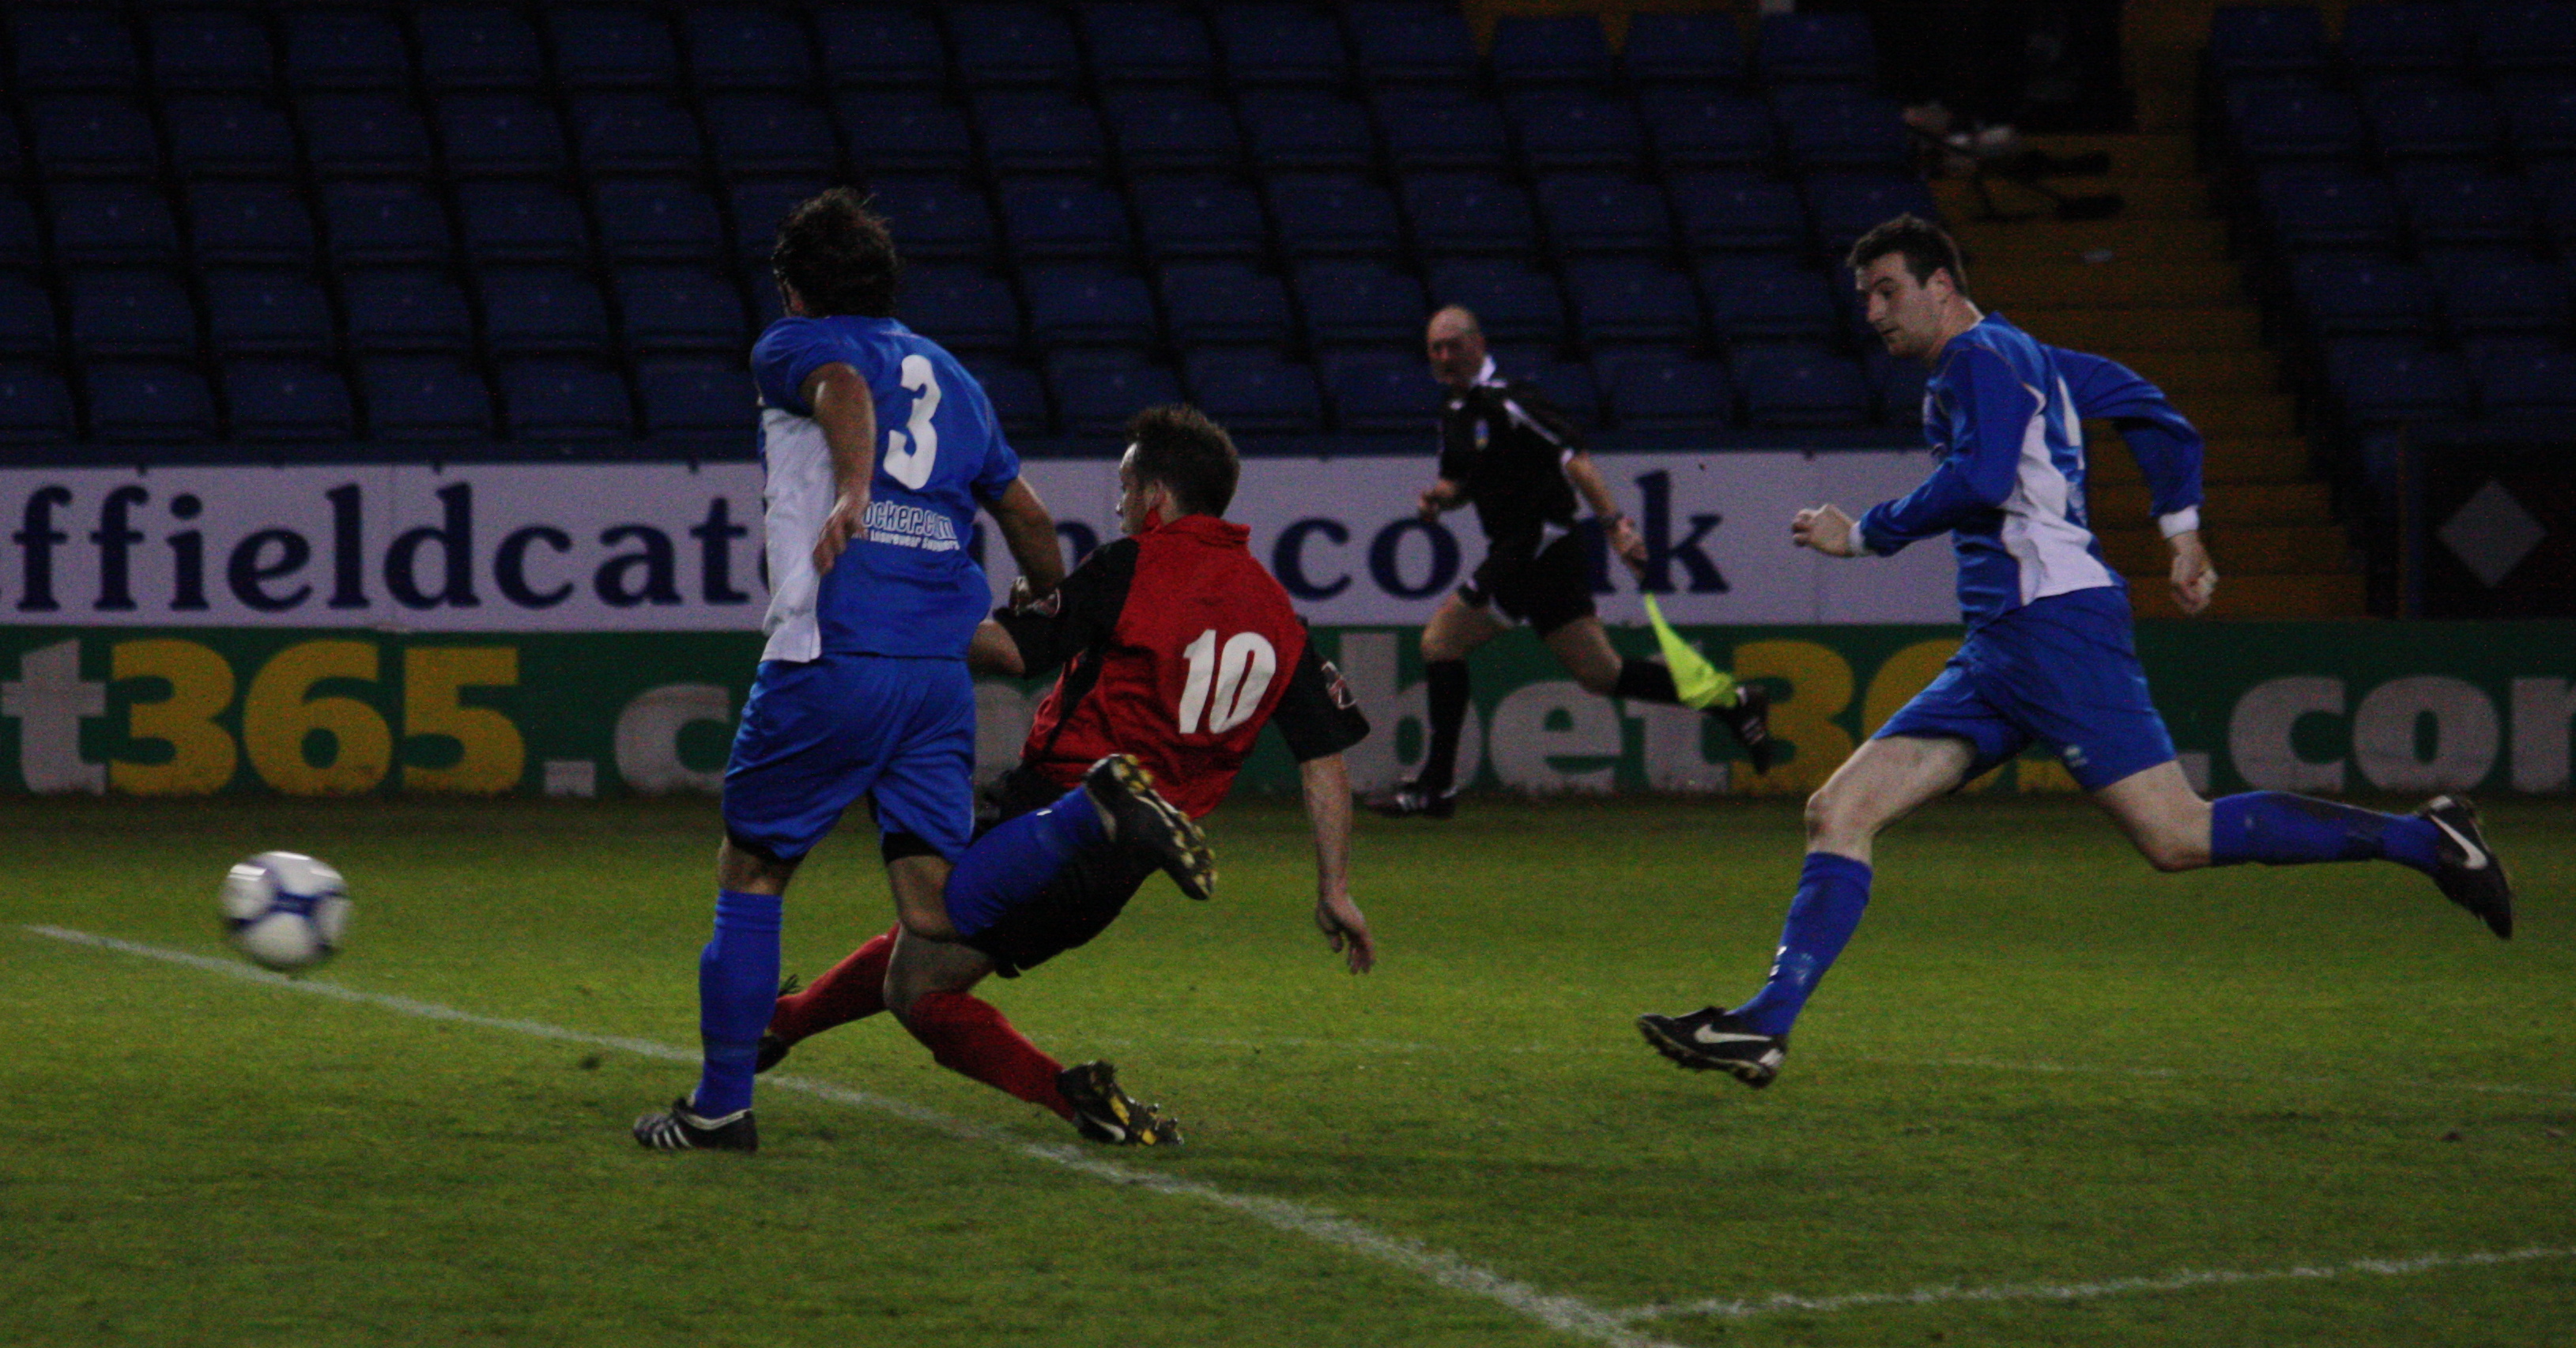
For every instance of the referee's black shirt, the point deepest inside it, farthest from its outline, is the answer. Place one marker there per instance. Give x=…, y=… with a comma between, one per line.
x=1505, y=446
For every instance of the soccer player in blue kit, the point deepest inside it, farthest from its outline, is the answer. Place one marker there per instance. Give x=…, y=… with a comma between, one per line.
x=878, y=449
x=2048, y=656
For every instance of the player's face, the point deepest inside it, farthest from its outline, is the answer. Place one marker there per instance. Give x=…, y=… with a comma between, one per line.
x=1906, y=313
x=1457, y=352
x=1135, y=501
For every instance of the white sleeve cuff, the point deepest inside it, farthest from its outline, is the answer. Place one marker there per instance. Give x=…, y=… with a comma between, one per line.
x=2183, y=521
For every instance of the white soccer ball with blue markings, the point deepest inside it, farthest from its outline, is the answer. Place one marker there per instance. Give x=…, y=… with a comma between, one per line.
x=285, y=910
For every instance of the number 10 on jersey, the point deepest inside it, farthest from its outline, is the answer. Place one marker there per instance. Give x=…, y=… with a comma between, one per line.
x=1225, y=686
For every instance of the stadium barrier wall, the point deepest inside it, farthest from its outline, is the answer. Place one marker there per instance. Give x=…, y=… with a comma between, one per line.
x=2316, y=707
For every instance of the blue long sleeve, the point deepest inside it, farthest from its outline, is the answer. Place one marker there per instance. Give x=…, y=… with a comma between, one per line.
x=2167, y=448
x=1983, y=412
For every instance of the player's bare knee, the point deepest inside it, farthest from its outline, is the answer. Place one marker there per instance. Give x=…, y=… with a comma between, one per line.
x=1598, y=682
x=2173, y=852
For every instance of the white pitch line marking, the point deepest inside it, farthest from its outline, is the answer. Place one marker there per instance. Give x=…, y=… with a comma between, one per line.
x=1565, y=1314
x=1784, y=1303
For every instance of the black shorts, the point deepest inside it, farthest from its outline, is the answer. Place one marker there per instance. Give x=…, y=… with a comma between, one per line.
x=1547, y=590
x=1077, y=905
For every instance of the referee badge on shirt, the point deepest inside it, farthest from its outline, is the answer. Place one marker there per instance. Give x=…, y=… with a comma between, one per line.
x=1484, y=433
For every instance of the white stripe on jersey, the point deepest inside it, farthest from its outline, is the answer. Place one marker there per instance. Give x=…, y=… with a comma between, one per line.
x=796, y=494
x=2054, y=552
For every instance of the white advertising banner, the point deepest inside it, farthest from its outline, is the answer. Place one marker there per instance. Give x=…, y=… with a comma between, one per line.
x=670, y=547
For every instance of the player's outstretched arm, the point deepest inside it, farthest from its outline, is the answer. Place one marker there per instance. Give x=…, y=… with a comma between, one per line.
x=1328, y=808
x=1826, y=529
x=2195, y=578
x=994, y=651
x=1029, y=531
x=847, y=412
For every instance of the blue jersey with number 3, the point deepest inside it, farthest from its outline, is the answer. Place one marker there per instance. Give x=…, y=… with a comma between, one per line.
x=908, y=584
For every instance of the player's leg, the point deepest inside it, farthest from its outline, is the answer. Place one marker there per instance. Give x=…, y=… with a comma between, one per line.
x=927, y=987
x=1584, y=649
x=851, y=990
x=1454, y=632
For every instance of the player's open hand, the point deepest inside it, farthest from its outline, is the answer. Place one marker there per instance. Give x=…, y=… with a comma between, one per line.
x=1429, y=504
x=1347, y=931
x=2195, y=579
x=1629, y=544
x=849, y=516
x=1826, y=529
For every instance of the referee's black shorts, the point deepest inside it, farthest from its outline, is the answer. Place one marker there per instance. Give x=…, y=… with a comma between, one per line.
x=1547, y=589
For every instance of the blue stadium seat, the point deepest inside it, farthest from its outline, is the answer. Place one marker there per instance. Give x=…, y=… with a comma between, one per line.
x=1470, y=213
x=1562, y=128
x=2526, y=380
x=249, y=222
x=149, y=402
x=548, y=398
x=1800, y=384
x=1300, y=128
x=363, y=133
x=1554, y=49
x=1604, y=213
x=113, y=222
x=1330, y=213
x=1005, y=43
x=1041, y=131
x=1513, y=302
x=72, y=47
x=425, y=398
x=1148, y=42
x=666, y=218
x=960, y=305
x=87, y=134
x=1661, y=388
x=667, y=307
x=1411, y=41
x=2280, y=122
x=2553, y=192
x=2452, y=204
x=2413, y=37
x=515, y=220
x=1097, y=390
x=288, y=399
x=900, y=130
x=1173, y=129
x=1897, y=385
x=1225, y=303
x=1359, y=301
x=215, y=136
x=2490, y=294
x=479, y=47
x=1827, y=48
x=771, y=133
x=1733, y=209
x=216, y=49
x=384, y=220
x=612, y=46
x=1828, y=127
x=1255, y=392
x=2525, y=34
x=1017, y=393
x=2539, y=113
x=1442, y=126
x=1568, y=384
x=1695, y=126
x=2391, y=381
x=1704, y=48
x=1093, y=305
x=699, y=397
x=345, y=49
x=747, y=46
x=1753, y=296
x=2312, y=207
x=1199, y=216
x=35, y=406
x=1064, y=217
x=1631, y=299
x=2266, y=39
x=267, y=309
x=2350, y=294
x=132, y=311
x=2442, y=120
x=19, y=237
x=501, y=133
x=932, y=216
x=538, y=309
x=1848, y=205
x=877, y=47
x=1279, y=43
x=405, y=309
x=13, y=151
x=1375, y=389
x=635, y=133
x=27, y=315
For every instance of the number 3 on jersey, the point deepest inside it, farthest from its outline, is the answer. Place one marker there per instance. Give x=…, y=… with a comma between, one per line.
x=908, y=457
x=1225, y=686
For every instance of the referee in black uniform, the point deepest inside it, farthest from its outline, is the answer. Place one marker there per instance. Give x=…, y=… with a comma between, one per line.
x=1520, y=463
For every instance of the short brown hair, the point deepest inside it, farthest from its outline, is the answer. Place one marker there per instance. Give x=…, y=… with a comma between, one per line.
x=838, y=255
x=1184, y=449
x=1926, y=246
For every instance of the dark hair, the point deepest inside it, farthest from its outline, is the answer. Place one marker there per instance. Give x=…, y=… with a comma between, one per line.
x=1182, y=448
x=838, y=255
x=1926, y=246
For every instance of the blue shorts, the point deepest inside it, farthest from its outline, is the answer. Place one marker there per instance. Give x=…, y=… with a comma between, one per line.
x=2061, y=671
x=817, y=735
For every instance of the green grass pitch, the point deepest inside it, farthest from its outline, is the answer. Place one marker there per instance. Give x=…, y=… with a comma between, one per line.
x=2048, y=1097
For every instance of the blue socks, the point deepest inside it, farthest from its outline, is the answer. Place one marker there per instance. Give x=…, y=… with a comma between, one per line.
x=1832, y=891
x=737, y=987
x=2280, y=829
x=1018, y=857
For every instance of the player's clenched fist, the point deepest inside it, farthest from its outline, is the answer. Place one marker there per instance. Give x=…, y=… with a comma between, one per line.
x=849, y=515
x=1826, y=529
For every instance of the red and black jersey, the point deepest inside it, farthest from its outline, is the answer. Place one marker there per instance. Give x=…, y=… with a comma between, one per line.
x=1177, y=647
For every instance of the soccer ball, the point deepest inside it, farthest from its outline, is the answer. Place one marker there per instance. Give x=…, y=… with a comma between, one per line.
x=285, y=910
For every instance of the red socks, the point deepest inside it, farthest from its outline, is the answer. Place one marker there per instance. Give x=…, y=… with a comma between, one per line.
x=852, y=990
x=969, y=1037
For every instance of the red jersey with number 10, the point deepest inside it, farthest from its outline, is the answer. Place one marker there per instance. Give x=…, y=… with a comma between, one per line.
x=1177, y=647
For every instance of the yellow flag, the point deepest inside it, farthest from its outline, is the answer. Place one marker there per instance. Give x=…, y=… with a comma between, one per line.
x=1701, y=684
